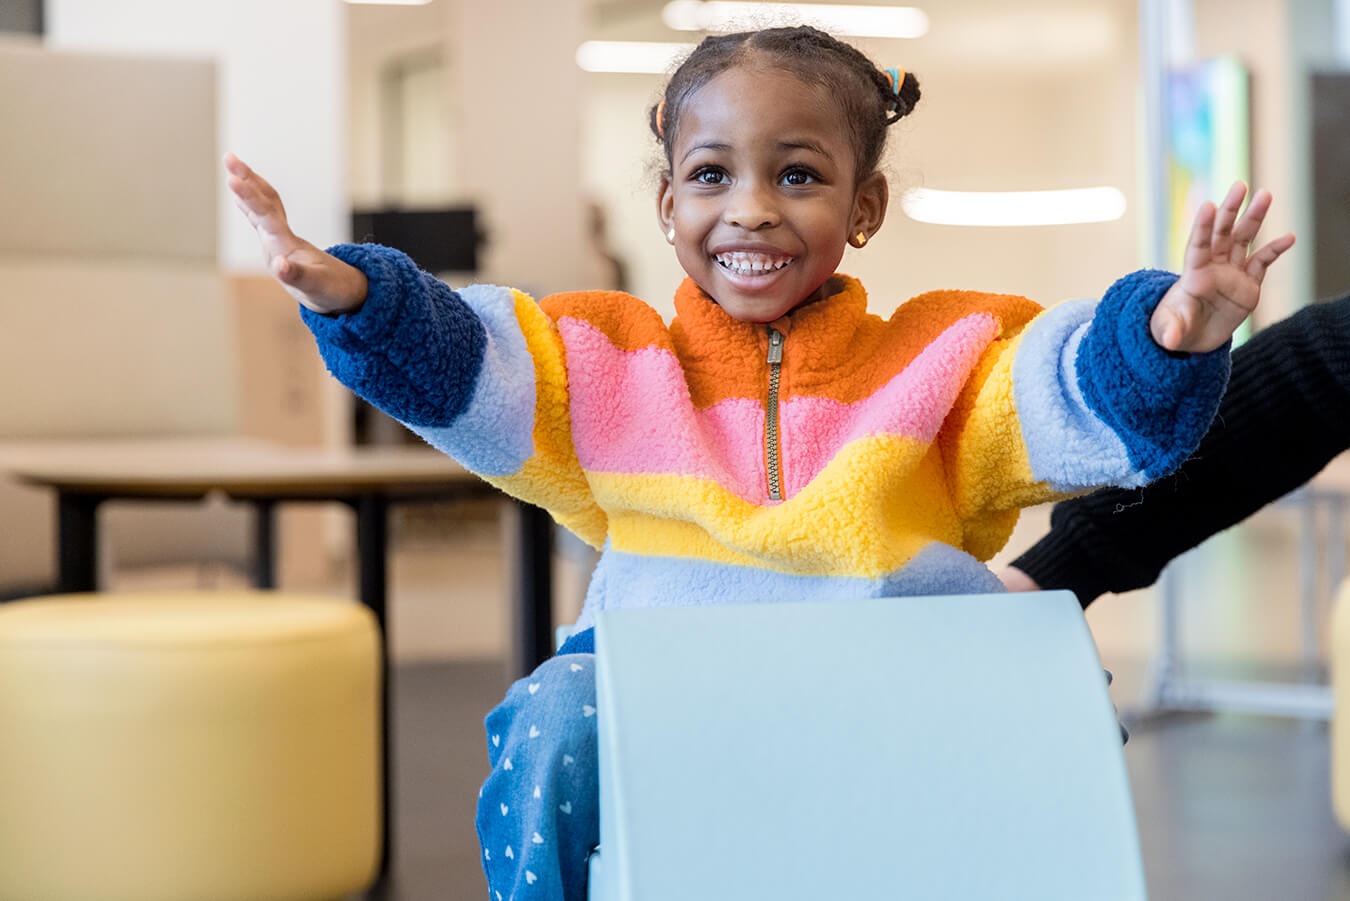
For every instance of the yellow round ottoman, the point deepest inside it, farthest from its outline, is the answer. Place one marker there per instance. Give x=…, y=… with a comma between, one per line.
x=221, y=746
x=1339, y=658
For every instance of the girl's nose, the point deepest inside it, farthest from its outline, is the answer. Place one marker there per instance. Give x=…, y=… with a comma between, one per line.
x=751, y=207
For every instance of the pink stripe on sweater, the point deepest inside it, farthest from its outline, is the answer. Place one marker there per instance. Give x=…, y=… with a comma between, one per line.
x=913, y=404
x=631, y=412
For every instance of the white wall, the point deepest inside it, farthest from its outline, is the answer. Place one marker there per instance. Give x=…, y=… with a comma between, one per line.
x=281, y=101
x=380, y=37
x=281, y=106
x=519, y=128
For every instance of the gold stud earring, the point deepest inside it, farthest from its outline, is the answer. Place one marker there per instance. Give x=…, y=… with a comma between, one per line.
x=860, y=239
x=670, y=235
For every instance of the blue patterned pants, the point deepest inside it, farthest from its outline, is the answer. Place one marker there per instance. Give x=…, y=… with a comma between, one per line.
x=538, y=812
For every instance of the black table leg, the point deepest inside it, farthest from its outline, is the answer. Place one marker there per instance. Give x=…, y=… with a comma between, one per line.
x=534, y=589
x=372, y=545
x=264, y=544
x=77, y=541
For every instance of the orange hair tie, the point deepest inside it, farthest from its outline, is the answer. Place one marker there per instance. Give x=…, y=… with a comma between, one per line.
x=896, y=77
x=661, y=119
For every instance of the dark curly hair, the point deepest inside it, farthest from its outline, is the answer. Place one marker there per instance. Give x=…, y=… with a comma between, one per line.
x=863, y=91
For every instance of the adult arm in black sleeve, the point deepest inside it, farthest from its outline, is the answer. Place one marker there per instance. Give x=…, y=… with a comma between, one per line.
x=1285, y=415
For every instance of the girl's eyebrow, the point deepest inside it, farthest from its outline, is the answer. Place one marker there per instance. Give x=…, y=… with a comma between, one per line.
x=792, y=144
x=710, y=145
x=805, y=144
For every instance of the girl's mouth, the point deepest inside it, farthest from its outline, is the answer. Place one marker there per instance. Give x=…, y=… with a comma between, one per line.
x=748, y=265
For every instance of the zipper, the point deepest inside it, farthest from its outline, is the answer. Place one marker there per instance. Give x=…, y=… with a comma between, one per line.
x=771, y=413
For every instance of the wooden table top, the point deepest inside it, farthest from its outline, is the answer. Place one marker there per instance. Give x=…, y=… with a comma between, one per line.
x=243, y=467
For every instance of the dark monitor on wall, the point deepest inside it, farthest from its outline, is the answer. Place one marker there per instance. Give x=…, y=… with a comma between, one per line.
x=21, y=16
x=438, y=240
x=1331, y=184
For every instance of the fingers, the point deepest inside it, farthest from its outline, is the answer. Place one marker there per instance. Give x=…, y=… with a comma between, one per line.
x=259, y=199
x=302, y=274
x=1220, y=235
x=1167, y=329
x=1222, y=244
x=1202, y=233
x=1015, y=579
x=1247, y=227
x=1261, y=260
x=285, y=271
x=1173, y=334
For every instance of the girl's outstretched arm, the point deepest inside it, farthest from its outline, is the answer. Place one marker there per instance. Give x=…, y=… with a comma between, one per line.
x=320, y=281
x=1221, y=277
x=1286, y=408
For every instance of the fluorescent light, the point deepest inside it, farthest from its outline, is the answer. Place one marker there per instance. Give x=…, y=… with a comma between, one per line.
x=389, y=2
x=642, y=57
x=1013, y=207
x=849, y=21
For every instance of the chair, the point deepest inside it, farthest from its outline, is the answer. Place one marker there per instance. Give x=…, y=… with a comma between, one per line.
x=937, y=748
x=185, y=746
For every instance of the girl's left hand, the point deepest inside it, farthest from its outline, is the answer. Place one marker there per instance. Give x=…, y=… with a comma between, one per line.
x=1220, y=280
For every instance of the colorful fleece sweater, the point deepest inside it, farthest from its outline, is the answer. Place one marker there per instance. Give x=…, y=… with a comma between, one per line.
x=904, y=446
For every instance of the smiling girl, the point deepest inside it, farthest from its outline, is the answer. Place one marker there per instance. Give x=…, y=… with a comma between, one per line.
x=775, y=441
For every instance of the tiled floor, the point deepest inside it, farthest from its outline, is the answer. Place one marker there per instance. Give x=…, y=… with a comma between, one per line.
x=1229, y=807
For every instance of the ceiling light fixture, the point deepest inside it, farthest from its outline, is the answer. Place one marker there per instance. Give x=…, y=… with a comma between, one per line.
x=1013, y=208
x=637, y=57
x=839, y=19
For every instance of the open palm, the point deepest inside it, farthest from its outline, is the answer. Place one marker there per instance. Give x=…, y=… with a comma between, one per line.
x=1221, y=277
x=318, y=280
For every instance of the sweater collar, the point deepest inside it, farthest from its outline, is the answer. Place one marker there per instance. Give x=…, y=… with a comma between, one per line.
x=824, y=328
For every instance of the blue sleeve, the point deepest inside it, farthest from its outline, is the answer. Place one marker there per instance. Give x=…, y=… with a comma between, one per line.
x=1099, y=402
x=414, y=348
x=1159, y=404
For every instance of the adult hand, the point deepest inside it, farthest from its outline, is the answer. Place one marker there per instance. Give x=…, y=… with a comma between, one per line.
x=1220, y=280
x=319, y=280
x=1014, y=579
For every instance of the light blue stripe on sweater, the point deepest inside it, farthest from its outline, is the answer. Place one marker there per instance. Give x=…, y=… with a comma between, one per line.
x=1068, y=446
x=642, y=581
x=495, y=433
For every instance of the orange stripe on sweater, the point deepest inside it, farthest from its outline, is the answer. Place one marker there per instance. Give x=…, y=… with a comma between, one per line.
x=627, y=321
x=833, y=350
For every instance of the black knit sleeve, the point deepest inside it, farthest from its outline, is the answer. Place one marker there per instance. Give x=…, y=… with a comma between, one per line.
x=1285, y=415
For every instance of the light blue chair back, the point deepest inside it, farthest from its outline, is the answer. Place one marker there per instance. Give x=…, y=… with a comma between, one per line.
x=959, y=747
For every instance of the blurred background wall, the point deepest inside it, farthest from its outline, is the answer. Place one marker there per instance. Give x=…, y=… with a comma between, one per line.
x=451, y=102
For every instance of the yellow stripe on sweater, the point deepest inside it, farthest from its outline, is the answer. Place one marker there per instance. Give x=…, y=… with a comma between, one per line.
x=992, y=478
x=823, y=530
x=552, y=477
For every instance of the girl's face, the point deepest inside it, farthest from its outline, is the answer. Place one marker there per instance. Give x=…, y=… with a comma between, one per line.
x=762, y=194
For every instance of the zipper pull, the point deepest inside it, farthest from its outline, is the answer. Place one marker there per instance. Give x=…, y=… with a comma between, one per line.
x=775, y=345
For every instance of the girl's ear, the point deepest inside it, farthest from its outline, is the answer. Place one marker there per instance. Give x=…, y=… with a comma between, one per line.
x=869, y=205
x=665, y=207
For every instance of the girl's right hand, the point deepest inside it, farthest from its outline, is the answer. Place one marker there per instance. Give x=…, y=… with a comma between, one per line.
x=320, y=281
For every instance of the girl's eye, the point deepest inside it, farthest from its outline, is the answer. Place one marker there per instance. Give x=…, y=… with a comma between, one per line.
x=798, y=177
x=710, y=176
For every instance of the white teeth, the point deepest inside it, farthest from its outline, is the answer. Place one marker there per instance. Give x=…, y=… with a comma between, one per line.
x=750, y=263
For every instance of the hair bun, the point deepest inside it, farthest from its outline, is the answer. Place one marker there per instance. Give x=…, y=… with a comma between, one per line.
x=901, y=101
